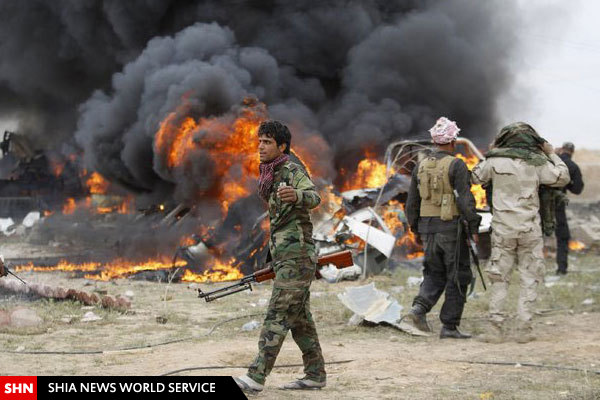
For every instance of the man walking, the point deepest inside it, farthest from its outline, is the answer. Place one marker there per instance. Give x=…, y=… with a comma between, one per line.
x=575, y=186
x=439, y=201
x=519, y=162
x=290, y=195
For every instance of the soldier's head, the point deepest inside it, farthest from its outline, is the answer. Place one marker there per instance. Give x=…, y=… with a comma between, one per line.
x=568, y=148
x=274, y=139
x=444, y=133
x=518, y=133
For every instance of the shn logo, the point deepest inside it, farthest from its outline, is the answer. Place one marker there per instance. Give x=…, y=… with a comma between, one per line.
x=21, y=388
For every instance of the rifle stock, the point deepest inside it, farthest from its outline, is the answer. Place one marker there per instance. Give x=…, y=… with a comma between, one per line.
x=341, y=259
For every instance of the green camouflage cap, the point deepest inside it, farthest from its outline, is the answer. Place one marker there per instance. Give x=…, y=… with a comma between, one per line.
x=518, y=132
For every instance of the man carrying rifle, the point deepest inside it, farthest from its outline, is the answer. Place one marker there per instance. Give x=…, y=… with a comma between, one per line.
x=519, y=162
x=290, y=195
x=439, y=202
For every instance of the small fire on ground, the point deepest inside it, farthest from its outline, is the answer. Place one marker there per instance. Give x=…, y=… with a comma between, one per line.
x=576, y=245
x=123, y=268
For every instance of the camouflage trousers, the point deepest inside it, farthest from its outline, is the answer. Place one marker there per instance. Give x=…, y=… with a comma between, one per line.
x=289, y=309
x=525, y=252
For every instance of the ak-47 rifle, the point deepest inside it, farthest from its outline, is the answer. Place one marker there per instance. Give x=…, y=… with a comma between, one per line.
x=5, y=271
x=340, y=259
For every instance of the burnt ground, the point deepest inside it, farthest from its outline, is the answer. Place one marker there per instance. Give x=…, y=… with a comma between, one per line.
x=206, y=339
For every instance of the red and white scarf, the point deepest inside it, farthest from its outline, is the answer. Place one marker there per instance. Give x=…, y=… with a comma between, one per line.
x=265, y=180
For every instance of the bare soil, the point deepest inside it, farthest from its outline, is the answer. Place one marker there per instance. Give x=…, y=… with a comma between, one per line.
x=383, y=362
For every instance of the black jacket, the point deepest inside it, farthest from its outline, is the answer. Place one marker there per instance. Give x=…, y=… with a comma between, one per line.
x=460, y=179
x=576, y=184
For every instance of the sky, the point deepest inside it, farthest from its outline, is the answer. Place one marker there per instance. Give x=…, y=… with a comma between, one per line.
x=558, y=71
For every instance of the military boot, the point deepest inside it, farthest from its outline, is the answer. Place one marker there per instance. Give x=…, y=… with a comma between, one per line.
x=494, y=333
x=524, y=333
x=452, y=332
x=418, y=317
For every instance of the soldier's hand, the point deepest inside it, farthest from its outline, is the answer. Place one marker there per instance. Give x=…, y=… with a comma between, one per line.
x=287, y=194
x=547, y=148
x=476, y=238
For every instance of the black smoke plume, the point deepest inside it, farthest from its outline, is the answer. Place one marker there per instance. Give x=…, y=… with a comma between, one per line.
x=354, y=74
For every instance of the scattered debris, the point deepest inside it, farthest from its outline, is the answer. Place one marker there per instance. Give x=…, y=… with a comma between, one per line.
x=355, y=320
x=90, y=316
x=60, y=293
x=382, y=241
x=7, y=226
x=31, y=219
x=414, y=281
x=587, y=302
x=332, y=274
x=250, y=326
x=375, y=306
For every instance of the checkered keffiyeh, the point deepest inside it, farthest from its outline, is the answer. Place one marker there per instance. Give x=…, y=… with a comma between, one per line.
x=444, y=131
x=265, y=180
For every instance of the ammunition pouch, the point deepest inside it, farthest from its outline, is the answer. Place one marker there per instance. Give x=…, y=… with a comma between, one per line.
x=437, y=196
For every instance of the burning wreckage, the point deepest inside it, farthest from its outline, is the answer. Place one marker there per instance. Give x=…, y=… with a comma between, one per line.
x=102, y=231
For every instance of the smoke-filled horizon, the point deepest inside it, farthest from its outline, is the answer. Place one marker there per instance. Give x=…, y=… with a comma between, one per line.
x=345, y=75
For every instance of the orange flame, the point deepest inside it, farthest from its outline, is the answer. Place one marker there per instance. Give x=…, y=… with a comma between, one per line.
x=57, y=167
x=115, y=269
x=228, y=141
x=370, y=173
x=69, y=206
x=576, y=245
x=220, y=272
x=478, y=192
x=408, y=240
x=97, y=184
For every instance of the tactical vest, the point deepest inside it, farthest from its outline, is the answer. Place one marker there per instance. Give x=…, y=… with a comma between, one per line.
x=437, y=196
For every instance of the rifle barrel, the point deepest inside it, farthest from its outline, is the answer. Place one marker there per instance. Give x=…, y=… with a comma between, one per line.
x=10, y=272
x=244, y=284
x=210, y=297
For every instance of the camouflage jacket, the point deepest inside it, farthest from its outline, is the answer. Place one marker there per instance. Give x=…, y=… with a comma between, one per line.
x=515, y=199
x=291, y=227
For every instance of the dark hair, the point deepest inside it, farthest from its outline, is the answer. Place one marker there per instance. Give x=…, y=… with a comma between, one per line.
x=568, y=146
x=278, y=131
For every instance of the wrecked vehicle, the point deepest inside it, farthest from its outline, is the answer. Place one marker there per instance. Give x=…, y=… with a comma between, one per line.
x=27, y=180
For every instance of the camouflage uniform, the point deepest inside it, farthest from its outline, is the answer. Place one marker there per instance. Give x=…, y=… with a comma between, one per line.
x=516, y=227
x=294, y=261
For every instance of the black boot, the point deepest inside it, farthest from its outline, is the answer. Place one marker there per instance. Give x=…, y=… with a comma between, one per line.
x=418, y=316
x=449, y=332
x=561, y=271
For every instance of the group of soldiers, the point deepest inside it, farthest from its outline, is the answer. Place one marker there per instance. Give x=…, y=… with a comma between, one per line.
x=440, y=209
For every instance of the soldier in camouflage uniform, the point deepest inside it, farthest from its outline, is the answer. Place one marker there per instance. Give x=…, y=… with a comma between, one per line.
x=516, y=166
x=290, y=194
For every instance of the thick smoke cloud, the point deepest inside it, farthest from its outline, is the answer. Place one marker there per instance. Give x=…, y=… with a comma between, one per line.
x=346, y=74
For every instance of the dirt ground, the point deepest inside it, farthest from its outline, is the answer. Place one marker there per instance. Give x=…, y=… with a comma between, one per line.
x=370, y=361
